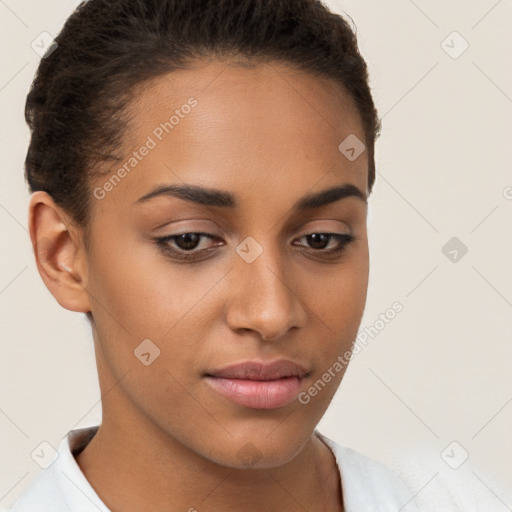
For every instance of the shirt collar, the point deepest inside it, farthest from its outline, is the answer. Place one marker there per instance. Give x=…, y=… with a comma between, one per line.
x=365, y=483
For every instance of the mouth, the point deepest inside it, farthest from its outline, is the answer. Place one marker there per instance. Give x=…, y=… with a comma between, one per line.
x=259, y=385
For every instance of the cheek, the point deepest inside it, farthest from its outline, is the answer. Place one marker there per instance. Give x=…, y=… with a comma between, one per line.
x=139, y=296
x=137, y=287
x=338, y=297
x=338, y=304
x=136, y=290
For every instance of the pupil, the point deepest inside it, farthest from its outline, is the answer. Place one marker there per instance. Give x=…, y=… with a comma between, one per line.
x=190, y=239
x=316, y=238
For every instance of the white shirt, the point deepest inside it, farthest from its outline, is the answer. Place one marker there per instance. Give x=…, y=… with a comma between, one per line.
x=367, y=485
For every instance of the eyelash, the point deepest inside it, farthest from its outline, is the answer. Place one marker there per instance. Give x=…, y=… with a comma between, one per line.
x=163, y=244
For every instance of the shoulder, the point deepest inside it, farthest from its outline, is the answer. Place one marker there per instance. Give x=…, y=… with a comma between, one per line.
x=61, y=487
x=368, y=483
x=42, y=492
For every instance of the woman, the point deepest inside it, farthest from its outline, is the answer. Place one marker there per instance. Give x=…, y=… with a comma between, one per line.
x=200, y=174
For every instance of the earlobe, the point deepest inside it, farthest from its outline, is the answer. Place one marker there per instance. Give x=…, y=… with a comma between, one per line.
x=58, y=251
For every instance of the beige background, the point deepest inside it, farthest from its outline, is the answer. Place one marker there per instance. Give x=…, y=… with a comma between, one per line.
x=440, y=371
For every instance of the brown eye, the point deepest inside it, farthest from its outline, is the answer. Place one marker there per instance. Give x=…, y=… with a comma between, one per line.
x=183, y=245
x=319, y=241
x=188, y=241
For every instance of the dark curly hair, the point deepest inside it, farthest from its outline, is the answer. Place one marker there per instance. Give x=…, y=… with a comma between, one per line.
x=77, y=104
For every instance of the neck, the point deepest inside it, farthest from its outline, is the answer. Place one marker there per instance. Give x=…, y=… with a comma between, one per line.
x=129, y=472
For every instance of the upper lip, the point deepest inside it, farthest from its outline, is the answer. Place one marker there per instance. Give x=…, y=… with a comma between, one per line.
x=256, y=370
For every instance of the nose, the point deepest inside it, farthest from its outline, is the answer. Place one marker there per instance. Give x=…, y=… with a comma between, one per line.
x=264, y=297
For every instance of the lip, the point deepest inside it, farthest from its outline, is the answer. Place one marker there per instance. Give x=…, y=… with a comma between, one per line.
x=259, y=385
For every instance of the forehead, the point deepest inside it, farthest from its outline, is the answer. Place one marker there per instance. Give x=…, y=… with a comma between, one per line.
x=230, y=127
x=257, y=95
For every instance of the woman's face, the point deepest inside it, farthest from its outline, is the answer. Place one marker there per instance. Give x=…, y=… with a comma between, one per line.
x=253, y=287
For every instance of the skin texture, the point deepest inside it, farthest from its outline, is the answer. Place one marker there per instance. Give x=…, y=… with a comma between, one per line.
x=168, y=442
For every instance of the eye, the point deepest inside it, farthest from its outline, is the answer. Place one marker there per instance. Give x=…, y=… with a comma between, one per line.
x=319, y=241
x=183, y=246
x=186, y=243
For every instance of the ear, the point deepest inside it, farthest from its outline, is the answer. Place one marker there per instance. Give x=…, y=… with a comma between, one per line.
x=59, y=252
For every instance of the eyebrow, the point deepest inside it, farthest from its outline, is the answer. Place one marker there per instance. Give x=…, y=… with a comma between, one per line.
x=224, y=199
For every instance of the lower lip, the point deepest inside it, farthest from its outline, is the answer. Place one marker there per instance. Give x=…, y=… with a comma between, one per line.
x=258, y=394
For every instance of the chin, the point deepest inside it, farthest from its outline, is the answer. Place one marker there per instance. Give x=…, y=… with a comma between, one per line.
x=258, y=450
